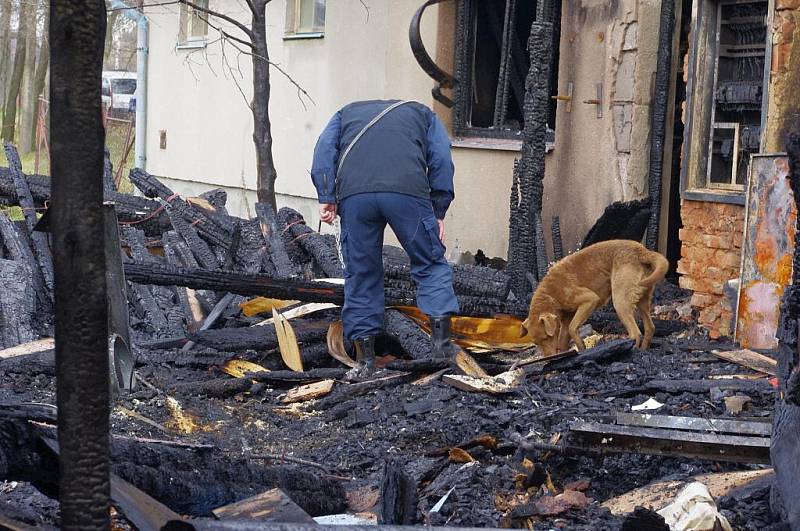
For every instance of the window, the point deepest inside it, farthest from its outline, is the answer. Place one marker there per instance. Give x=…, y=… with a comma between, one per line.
x=193, y=26
x=305, y=18
x=492, y=62
x=727, y=87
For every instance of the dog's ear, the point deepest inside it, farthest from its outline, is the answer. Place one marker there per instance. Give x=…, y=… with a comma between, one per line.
x=523, y=328
x=550, y=322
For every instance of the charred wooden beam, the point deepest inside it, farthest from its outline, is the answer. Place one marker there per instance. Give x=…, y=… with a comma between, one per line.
x=19, y=251
x=467, y=279
x=660, y=116
x=599, y=437
x=225, y=387
x=527, y=187
x=218, y=198
x=108, y=173
x=607, y=322
x=268, y=222
x=259, y=338
x=398, y=495
x=408, y=335
x=304, y=291
x=317, y=245
x=785, y=452
x=77, y=32
x=193, y=251
x=41, y=247
x=362, y=388
x=620, y=221
x=602, y=352
x=297, y=254
x=157, y=303
x=235, y=282
x=214, y=229
x=17, y=304
x=694, y=386
x=558, y=246
x=39, y=185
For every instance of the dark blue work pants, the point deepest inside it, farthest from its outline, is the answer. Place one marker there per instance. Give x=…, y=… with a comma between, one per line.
x=364, y=218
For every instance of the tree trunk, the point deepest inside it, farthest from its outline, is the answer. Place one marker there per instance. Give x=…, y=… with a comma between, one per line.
x=112, y=20
x=262, y=128
x=5, y=41
x=39, y=80
x=77, y=32
x=10, y=113
x=27, y=98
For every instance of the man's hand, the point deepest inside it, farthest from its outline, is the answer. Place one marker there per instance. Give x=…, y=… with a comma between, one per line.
x=327, y=212
x=441, y=229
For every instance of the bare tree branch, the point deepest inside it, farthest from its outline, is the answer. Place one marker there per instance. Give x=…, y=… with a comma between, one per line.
x=220, y=16
x=226, y=34
x=251, y=5
x=366, y=7
x=300, y=89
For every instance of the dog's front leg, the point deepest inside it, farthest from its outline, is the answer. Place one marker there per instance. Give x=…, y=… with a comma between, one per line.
x=563, y=333
x=588, y=302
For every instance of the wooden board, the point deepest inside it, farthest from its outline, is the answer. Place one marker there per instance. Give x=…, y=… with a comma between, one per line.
x=736, y=427
x=502, y=383
x=767, y=250
x=308, y=392
x=32, y=347
x=658, y=495
x=748, y=358
x=270, y=506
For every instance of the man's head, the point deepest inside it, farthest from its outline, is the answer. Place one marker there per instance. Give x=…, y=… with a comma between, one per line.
x=543, y=330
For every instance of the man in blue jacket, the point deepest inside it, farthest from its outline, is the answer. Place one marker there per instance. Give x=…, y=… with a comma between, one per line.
x=379, y=163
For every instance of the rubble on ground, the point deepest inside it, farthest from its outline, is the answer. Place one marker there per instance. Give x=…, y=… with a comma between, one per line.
x=218, y=416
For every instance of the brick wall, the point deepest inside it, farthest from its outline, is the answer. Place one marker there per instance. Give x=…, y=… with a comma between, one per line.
x=711, y=243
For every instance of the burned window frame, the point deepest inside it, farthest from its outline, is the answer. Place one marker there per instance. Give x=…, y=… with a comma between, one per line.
x=702, y=71
x=547, y=10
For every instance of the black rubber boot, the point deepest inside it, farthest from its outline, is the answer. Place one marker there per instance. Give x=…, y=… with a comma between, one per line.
x=365, y=359
x=441, y=345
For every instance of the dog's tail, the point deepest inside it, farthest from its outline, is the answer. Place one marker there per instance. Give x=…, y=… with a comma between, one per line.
x=660, y=266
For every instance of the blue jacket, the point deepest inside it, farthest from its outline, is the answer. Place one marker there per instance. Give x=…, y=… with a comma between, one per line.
x=407, y=151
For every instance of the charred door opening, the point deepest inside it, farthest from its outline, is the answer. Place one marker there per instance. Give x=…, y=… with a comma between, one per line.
x=492, y=62
x=674, y=224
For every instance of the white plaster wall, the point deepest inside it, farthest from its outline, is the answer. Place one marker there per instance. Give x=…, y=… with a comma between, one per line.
x=194, y=95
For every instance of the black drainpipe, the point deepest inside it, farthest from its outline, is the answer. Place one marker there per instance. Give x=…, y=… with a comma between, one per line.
x=77, y=34
x=659, y=123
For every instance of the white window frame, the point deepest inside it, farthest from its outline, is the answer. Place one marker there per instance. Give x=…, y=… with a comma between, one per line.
x=292, y=29
x=186, y=20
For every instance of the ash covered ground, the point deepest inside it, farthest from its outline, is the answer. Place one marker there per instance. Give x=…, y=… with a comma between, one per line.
x=414, y=424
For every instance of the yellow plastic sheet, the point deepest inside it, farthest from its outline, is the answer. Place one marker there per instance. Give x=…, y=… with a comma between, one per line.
x=263, y=305
x=499, y=333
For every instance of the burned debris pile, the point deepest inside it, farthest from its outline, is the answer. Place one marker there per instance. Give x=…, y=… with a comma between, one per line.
x=240, y=396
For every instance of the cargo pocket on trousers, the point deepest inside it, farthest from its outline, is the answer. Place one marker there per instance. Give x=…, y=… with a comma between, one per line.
x=432, y=229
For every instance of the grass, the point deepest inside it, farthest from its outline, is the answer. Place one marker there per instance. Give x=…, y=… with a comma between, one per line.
x=116, y=133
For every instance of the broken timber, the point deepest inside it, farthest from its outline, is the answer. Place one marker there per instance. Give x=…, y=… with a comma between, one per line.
x=299, y=290
x=712, y=439
x=685, y=441
x=751, y=360
x=693, y=386
x=270, y=506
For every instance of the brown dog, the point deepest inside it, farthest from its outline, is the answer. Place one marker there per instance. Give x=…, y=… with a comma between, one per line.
x=622, y=271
